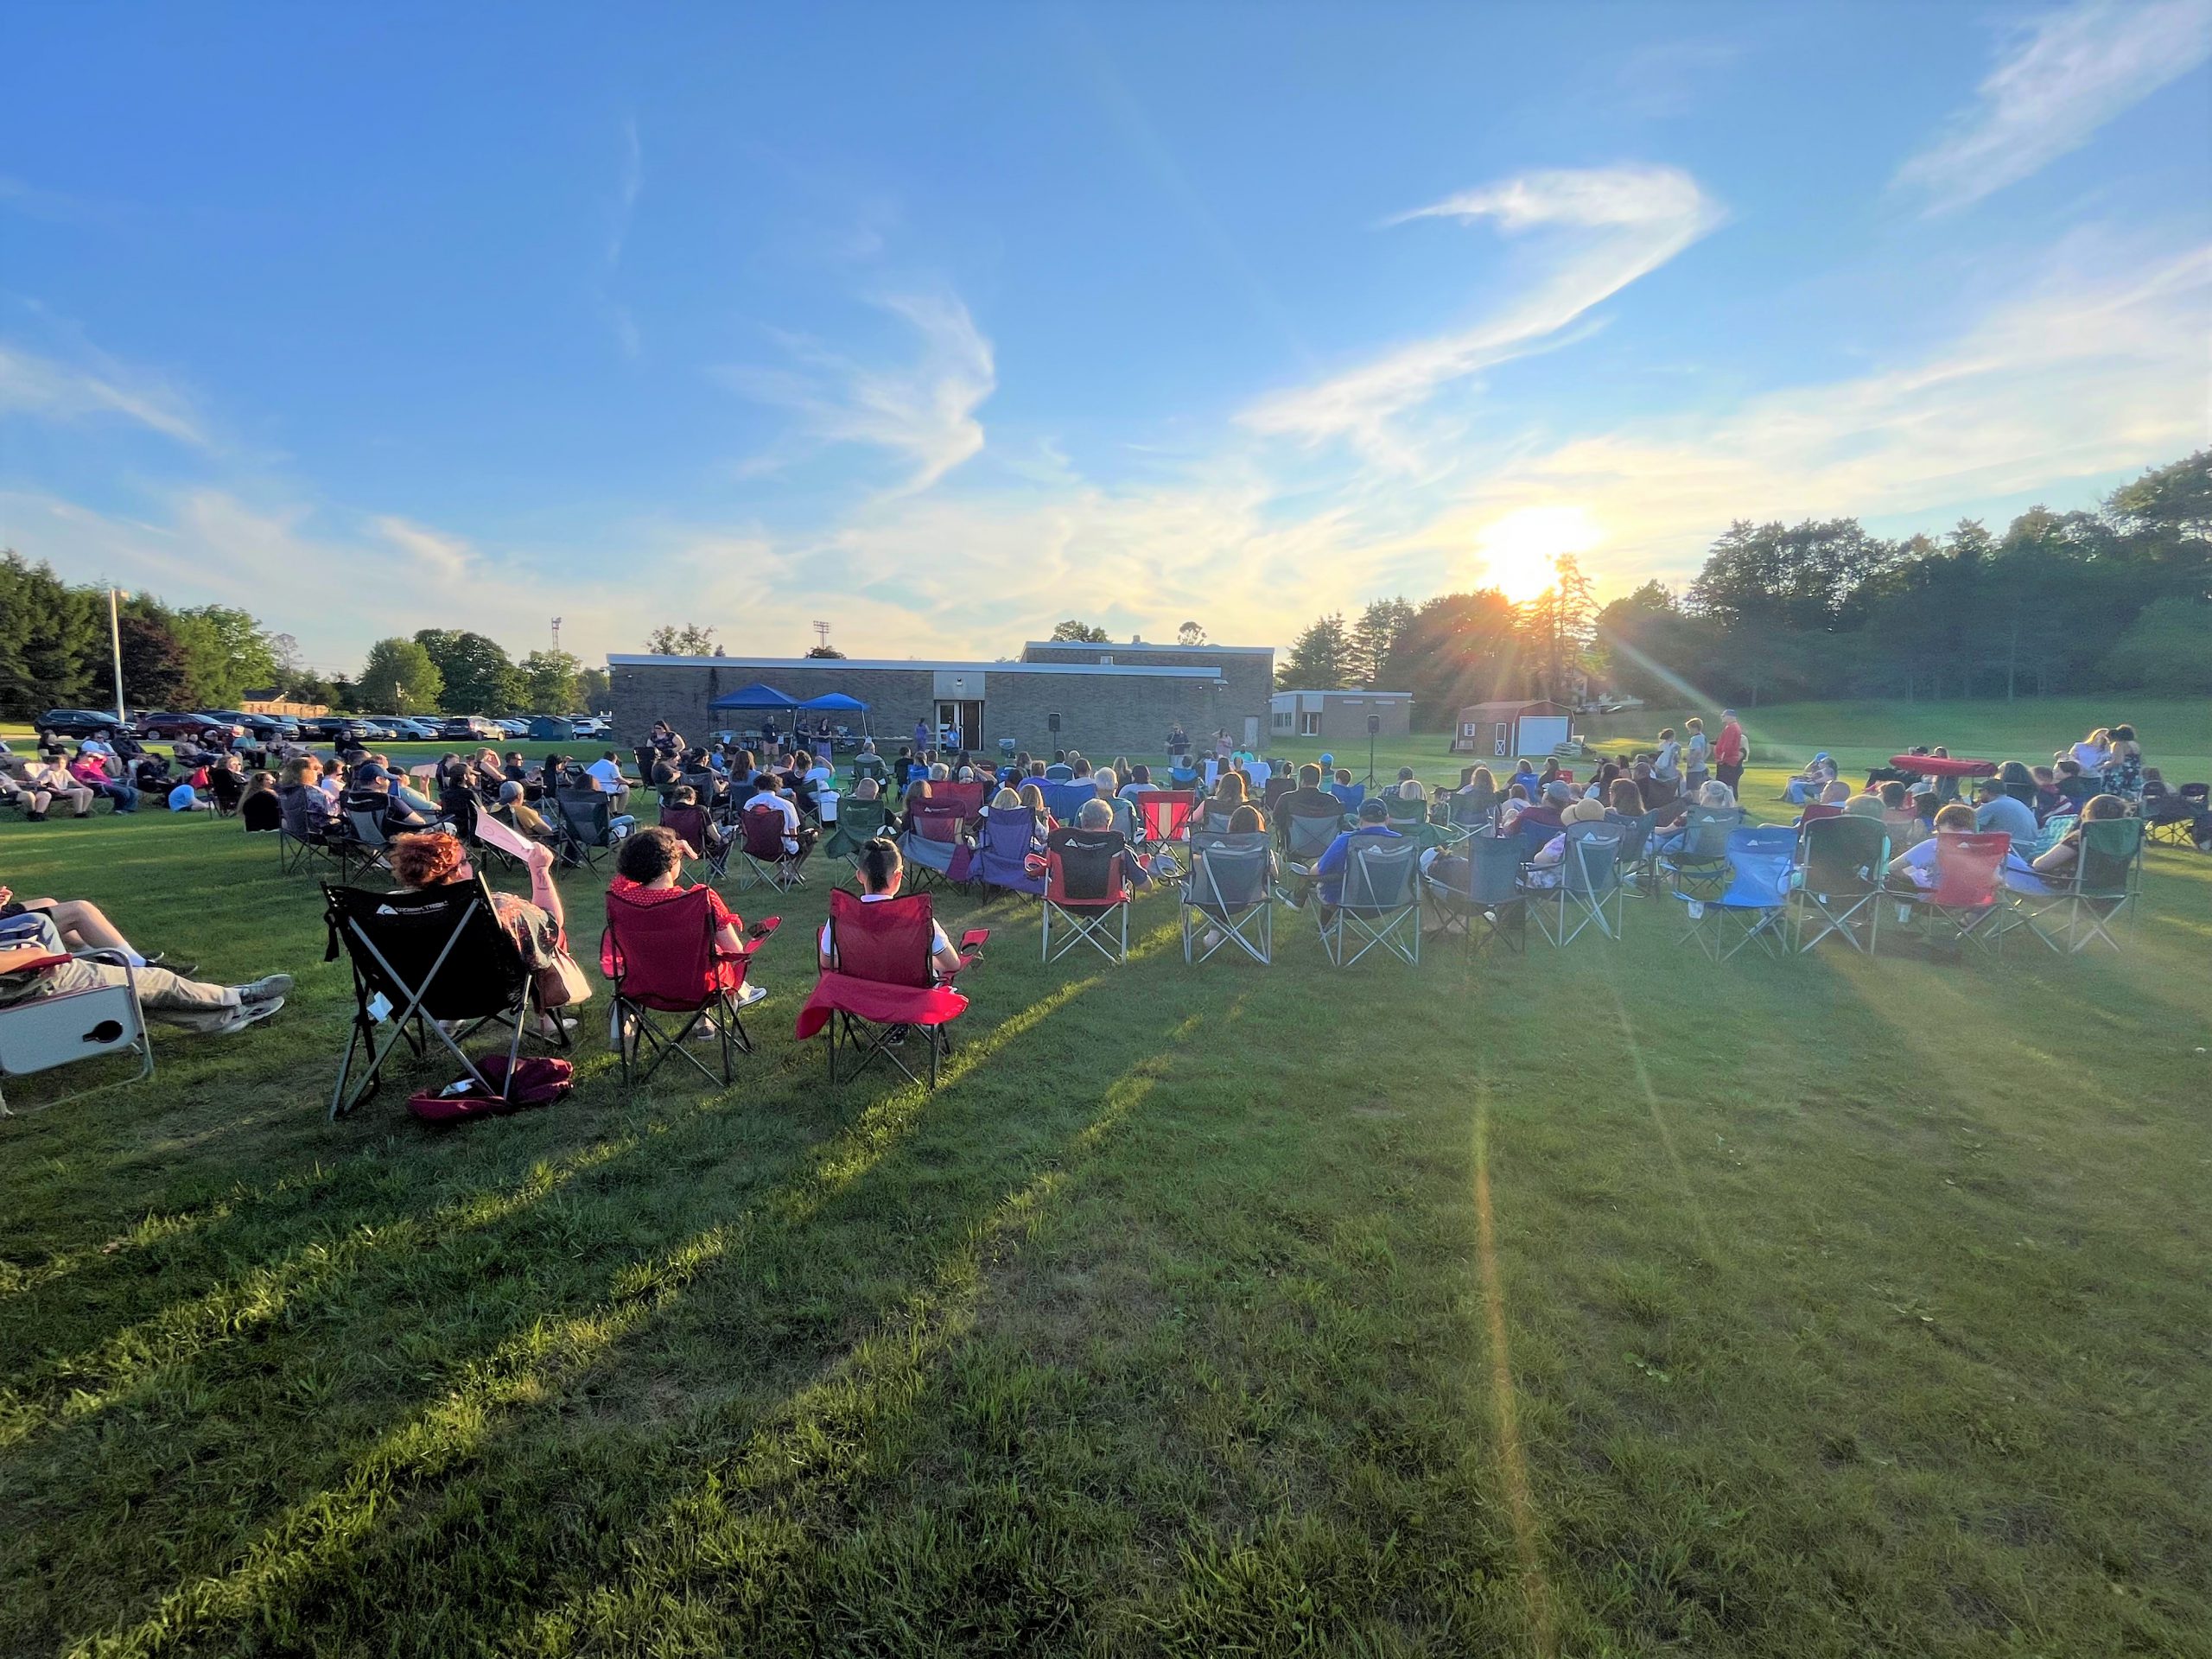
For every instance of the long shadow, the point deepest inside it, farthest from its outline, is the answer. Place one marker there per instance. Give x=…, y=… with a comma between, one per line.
x=534, y=1363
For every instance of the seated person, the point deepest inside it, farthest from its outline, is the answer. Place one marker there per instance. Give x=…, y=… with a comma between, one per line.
x=1997, y=809
x=1624, y=805
x=2074, y=786
x=29, y=971
x=259, y=808
x=1060, y=771
x=1090, y=848
x=525, y=817
x=1865, y=804
x=1807, y=784
x=1308, y=799
x=79, y=924
x=185, y=798
x=606, y=775
x=648, y=870
x=1248, y=820
x=1525, y=774
x=1181, y=774
x=2048, y=801
x=44, y=783
x=369, y=791
x=881, y=870
x=1551, y=808
x=687, y=821
x=92, y=772
x=2056, y=866
x=308, y=810
x=1903, y=822
x=423, y=862
x=1374, y=823
x=1349, y=796
x=1836, y=794
x=798, y=838
x=1543, y=872
x=1916, y=866
x=150, y=773
x=1032, y=796
x=1215, y=811
x=1139, y=781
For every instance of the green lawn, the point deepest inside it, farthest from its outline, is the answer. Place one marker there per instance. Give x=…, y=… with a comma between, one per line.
x=1605, y=1302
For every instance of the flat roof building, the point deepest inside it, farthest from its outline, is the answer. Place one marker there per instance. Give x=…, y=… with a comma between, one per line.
x=1340, y=716
x=1104, y=699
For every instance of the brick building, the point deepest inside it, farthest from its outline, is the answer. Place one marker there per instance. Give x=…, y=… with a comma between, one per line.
x=1341, y=716
x=1110, y=698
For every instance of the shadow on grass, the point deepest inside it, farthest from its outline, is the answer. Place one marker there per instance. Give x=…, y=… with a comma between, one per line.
x=537, y=1363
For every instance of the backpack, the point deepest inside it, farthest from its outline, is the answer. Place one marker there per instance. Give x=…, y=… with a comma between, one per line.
x=539, y=1081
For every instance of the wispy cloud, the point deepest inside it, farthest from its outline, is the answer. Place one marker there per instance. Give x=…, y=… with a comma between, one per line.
x=629, y=185
x=924, y=410
x=2059, y=78
x=51, y=389
x=1621, y=223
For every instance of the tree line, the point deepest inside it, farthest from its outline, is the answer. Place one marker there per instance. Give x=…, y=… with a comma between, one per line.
x=55, y=653
x=2117, y=597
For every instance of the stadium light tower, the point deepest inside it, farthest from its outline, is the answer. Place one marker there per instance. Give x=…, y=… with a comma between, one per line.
x=556, y=636
x=821, y=636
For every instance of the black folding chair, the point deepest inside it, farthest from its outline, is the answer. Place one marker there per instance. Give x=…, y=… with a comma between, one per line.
x=432, y=963
x=1840, y=865
x=1485, y=904
x=1228, y=892
x=587, y=822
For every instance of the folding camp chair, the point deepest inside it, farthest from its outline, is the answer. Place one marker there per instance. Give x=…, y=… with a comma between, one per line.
x=432, y=963
x=663, y=960
x=43, y=1033
x=1002, y=856
x=1379, y=905
x=885, y=985
x=1086, y=888
x=1229, y=893
x=226, y=789
x=1967, y=901
x=1696, y=866
x=2102, y=891
x=1164, y=829
x=1304, y=841
x=1586, y=885
x=1754, y=903
x=1473, y=889
x=365, y=849
x=706, y=851
x=932, y=846
x=858, y=823
x=1841, y=863
x=1409, y=818
x=2172, y=817
x=762, y=858
x=1814, y=811
x=969, y=797
x=587, y=824
x=322, y=844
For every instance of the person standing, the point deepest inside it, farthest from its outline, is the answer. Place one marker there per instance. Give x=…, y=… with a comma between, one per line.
x=1730, y=751
x=1697, y=756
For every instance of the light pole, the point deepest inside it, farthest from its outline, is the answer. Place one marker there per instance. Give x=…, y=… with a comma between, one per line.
x=115, y=645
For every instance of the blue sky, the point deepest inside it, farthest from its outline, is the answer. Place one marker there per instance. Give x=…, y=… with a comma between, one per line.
x=941, y=323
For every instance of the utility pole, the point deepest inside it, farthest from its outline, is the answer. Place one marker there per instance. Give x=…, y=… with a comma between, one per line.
x=556, y=636
x=115, y=643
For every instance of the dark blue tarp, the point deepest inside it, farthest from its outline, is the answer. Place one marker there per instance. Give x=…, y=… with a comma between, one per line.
x=832, y=702
x=755, y=697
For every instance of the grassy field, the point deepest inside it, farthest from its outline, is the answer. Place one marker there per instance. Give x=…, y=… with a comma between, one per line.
x=1608, y=1302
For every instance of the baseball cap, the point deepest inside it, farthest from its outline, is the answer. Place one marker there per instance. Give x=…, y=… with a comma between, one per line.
x=1372, y=810
x=1559, y=791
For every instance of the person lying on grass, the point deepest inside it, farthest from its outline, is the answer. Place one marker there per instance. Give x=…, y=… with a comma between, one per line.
x=30, y=969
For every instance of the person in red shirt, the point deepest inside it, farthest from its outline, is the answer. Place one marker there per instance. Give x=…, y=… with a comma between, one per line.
x=1730, y=751
x=647, y=868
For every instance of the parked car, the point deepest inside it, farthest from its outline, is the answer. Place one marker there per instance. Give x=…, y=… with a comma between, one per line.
x=76, y=722
x=471, y=728
x=201, y=728
x=265, y=728
x=408, y=728
x=334, y=729
x=512, y=726
x=589, y=725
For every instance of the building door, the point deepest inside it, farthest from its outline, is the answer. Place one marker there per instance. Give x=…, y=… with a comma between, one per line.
x=960, y=722
x=1252, y=732
x=1501, y=737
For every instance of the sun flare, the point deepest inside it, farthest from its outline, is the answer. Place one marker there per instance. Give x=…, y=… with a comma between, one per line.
x=1517, y=550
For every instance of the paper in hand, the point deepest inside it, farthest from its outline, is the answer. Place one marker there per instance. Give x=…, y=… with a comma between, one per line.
x=501, y=837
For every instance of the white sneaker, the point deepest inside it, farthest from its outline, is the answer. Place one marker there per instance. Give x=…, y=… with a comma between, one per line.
x=249, y=1013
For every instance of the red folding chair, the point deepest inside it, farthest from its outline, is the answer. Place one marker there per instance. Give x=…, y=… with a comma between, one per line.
x=1087, y=887
x=1164, y=824
x=704, y=847
x=885, y=986
x=932, y=847
x=1968, y=897
x=1815, y=810
x=663, y=959
x=761, y=853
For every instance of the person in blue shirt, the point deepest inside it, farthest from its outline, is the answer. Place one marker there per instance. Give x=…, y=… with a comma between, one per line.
x=1348, y=793
x=1525, y=775
x=1995, y=809
x=1374, y=822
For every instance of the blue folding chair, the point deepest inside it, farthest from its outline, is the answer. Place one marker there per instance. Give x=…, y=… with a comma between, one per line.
x=1754, y=904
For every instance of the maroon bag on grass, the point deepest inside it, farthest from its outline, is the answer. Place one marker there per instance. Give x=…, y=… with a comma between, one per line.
x=539, y=1080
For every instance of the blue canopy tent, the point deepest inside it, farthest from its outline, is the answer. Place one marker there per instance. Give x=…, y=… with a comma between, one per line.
x=754, y=699
x=836, y=703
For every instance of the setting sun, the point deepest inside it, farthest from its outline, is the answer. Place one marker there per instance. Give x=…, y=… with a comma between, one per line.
x=1517, y=550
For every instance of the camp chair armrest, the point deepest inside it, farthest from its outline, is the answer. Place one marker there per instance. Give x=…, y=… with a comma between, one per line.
x=761, y=930
x=973, y=939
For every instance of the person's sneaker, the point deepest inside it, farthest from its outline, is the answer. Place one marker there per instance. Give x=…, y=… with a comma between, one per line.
x=250, y=1014
x=274, y=989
